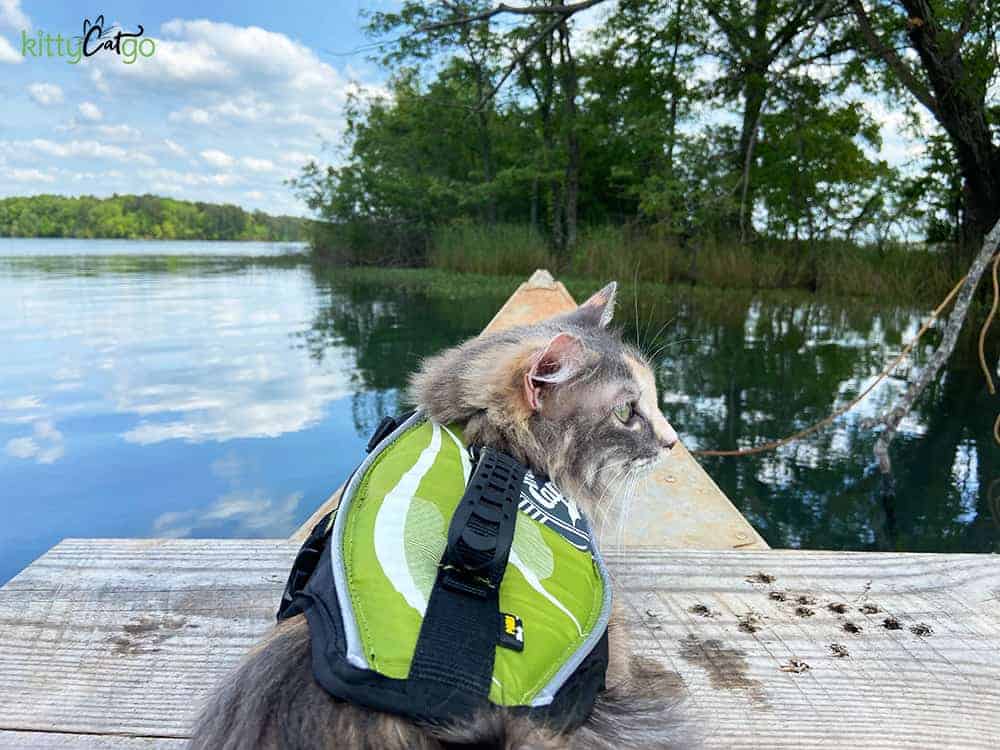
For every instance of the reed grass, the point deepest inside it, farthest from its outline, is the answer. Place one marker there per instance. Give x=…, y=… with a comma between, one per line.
x=831, y=267
x=498, y=250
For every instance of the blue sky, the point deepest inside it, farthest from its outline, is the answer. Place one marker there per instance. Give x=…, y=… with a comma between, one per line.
x=236, y=97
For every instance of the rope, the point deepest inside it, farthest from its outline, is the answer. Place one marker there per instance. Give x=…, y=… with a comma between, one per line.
x=881, y=376
x=986, y=326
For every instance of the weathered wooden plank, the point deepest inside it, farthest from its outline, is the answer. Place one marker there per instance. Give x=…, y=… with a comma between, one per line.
x=124, y=636
x=62, y=741
x=127, y=637
x=678, y=507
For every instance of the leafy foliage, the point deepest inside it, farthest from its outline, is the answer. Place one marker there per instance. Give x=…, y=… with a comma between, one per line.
x=697, y=123
x=140, y=217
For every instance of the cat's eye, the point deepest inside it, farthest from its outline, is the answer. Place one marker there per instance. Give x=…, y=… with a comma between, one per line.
x=623, y=412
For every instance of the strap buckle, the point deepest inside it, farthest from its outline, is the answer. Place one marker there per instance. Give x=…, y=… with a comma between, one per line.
x=385, y=428
x=482, y=529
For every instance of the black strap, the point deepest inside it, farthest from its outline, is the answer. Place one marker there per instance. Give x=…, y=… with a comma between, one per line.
x=385, y=428
x=458, y=638
x=302, y=569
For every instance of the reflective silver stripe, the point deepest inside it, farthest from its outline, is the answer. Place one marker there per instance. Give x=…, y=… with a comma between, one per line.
x=355, y=653
x=546, y=695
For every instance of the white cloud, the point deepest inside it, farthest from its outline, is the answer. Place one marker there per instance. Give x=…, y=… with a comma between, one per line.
x=193, y=115
x=99, y=80
x=175, y=148
x=209, y=86
x=217, y=158
x=29, y=175
x=174, y=181
x=65, y=149
x=12, y=16
x=45, y=93
x=89, y=111
x=297, y=158
x=44, y=445
x=141, y=158
x=257, y=165
x=8, y=54
x=120, y=132
x=245, y=108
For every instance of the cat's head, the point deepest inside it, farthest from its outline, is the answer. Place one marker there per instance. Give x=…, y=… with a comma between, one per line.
x=567, y=396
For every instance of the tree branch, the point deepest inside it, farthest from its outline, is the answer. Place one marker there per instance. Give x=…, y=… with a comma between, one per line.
x=970, y=13
x=565, y=11
x=752, y=142
x=784, y=36
x=891, y=419
x=893, y=60
x=520, y=57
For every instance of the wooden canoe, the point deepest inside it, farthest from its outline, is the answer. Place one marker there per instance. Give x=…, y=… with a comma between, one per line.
x=679, y=507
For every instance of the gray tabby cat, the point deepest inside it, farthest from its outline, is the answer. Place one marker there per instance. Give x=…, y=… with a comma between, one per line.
x=568, y=398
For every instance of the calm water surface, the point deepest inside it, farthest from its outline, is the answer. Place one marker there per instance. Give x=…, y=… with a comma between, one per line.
x=183, y=389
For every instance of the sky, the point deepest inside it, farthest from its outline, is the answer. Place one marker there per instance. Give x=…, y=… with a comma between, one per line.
x=235, y=99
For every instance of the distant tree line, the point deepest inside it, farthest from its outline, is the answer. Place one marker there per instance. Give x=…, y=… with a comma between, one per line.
x=701, y=121
x=141, y=217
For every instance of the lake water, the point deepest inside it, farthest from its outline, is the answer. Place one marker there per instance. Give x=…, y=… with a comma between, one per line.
x=183, y=389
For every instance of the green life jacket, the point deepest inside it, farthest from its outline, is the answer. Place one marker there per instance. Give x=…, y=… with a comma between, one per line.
x=446, y=583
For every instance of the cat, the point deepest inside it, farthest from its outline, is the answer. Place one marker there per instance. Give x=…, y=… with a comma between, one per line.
x=570, y=399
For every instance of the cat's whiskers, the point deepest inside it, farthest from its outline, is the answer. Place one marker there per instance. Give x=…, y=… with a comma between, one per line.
x=667, y=344
x=657, y=335
x=602, y=506
x=626, y=506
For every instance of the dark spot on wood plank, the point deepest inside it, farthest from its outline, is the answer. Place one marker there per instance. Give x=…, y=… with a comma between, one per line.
x=869, y=609
x=839, y=650
x=850, y=627
x=921, y=629
x=760, y=577
x=701, y=610
x=749, y=623
x=837, y=607
x=805, y=599
x=795, y=666
x=804, y=612
x=726, y=667
x=644, y=667
x=778, y=596
x=891, y=623
x=145, y=634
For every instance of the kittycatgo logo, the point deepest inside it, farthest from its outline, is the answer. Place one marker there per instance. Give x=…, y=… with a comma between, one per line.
x=96, y=38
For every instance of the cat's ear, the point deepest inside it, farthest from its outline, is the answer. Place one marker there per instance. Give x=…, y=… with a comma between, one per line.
x=559, y=361
x=598, y=310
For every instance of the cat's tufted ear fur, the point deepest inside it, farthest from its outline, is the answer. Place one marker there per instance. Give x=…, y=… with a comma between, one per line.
x=559, y=361
x=598, y=310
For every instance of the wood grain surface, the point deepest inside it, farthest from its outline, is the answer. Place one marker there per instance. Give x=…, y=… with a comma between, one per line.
x=115, y=643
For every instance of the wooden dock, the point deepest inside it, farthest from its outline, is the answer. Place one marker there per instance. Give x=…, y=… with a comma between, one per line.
x=114, y=643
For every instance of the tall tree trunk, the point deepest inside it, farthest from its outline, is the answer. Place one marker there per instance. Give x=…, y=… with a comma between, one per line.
x=673, y=106
x=961, y=111
x=949, y=92
x=534, y=203
x=570, y=87
x=547, y=92
x=754, y=94
x=485, y=140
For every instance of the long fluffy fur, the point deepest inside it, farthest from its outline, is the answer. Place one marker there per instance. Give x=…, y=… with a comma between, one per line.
x=272, y=700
